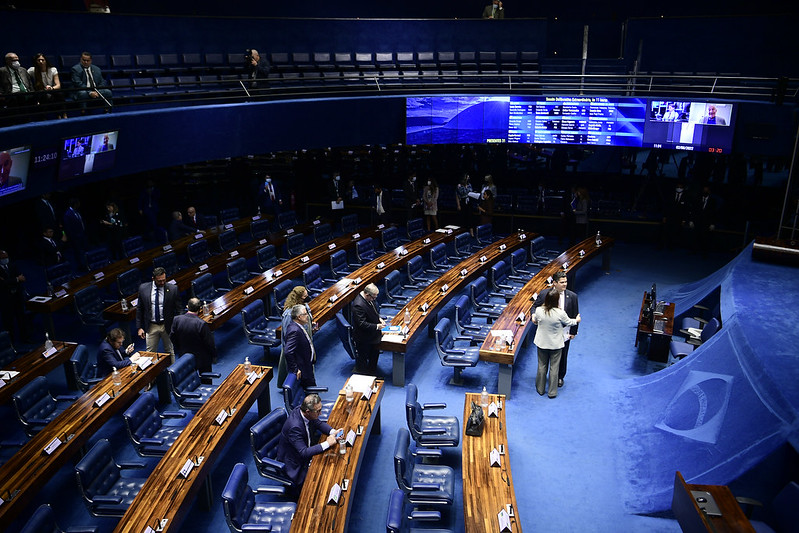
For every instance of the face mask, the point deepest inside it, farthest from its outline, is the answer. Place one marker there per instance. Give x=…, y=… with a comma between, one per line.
x=337, y=178
x=429, y=183
x=269, y=180
x=15, y=64
x=413, y=180
x=4, y=262
x=679, y=189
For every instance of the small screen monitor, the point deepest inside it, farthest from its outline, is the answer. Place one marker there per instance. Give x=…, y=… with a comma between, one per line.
x=87, y=153
x=689, y=125
x=14, y=165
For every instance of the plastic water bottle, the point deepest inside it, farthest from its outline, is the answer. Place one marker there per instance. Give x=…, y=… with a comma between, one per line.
x=407, y=319
x=124, y=303
x=205, y=308
x=48, y=344
x=348, y=392
x=598, y=239
x=484, y=398
x=117, y=378
x=247, y=366
x=50, y=289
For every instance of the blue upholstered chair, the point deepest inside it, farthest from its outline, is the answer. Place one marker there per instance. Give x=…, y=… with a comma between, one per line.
x=390, y=238
x=680, y=349
x=457, y=357
x=295, y=244
x=43, y=521
x=294, y=394
x=416, y=273
x=344, y=330
x=105, y=492
x=312, y=279
x=202, y=287
x=146, y=429
x=501, y=284
x=133, y=245
x=237, y=272
x=429, y=431
x=83, y=369
x=247, y=510
x=518, y=266
x=266, y=257
x=439, y=262
x=264, y=439
x=349, y=224
x=7, y=352
x=259, y=228
x=484, y=234
x=257, y=327
x=98, y=257
x=365, y=250
x=186, y=384
x=322, y=233
x=90, y=304
x=464, y=312
x=36, y=407
x=481, y=298
x=539, y=255
x=228, y=215
x=397, y=512
x=128, y=282
x=279, y=296
x=339, y=266
x=415, y=229
x=463, y=245
x=167, y=261
x=423, y=484
x=58, y=274
x=228, y=240
x=286, y=219
x=780, y=515
x=209, y=221
x=198, y=251
x=394, y=288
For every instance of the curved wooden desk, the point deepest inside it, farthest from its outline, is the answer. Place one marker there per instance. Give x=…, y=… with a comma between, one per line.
x=34, y=364
x=30, y=468
x=505, y=355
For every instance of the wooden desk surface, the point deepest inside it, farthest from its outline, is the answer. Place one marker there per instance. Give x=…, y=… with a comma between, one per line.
x=107, y=275
x=166, y=494
x=33, y=365
x=323, y=309
x=521, y=303
x=485, y=489
x=313, y=513
x=30, y=468
x=692, y=519
x=435, y=299
x=667, y=317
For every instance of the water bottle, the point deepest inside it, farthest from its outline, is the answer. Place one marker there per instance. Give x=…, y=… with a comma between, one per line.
x=348, y=391
x=124, y=303
x=117, y=378
x=342, y=446
x=48, y=344
x=247, y=366
x=50, y=289
x=407, y=320
x=484, y=398
x=598, y=239
x=205, y=308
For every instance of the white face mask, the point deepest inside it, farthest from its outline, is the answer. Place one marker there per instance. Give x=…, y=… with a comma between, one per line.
x=337, y=178
x=269, y=180
x=679, y=189
x=429, y=183
x=15, y=64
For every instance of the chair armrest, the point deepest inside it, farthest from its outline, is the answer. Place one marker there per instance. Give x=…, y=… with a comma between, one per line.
x=425, y=486
x=127, y=465
x=437, y=405
x=66, y=397
x=315, y=389
x=425, y=452
x=106, y=499
x=700, y=320
x=223, y=289
x=389, y=305
x=274, y=318
x=462, y=338
x=480, y=314
x=693, y=341
x=431, y=431
x=505, y=287
x=455, y=352
x=427, y=516
x=93, y=381
x=12, y=443
x=748, y=504
x=152, y=442
x=210, y=375
x=274, y=463
x=189, y=394
x=85, y=529
x=270, y=489
x=257, y=527
x=701, y=307
x=37, y=421
x=173, y=414
x=329, y=280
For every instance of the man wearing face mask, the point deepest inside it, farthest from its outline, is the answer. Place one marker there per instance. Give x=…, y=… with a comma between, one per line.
x=269, y=197
x=412, y=201
x=675, y=215
x=12, y=297
x=494, y=11
x=14, y=80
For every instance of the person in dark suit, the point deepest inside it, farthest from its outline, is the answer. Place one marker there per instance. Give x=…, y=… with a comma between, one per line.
x=494, y=11
x=568, y=302
x=111, y=355
x=49, y=249
x=191, y=334
x=366, y=326
x=45, y=212
x=294, y=448
x=15, y=82
x=675, y=216
x=84, y=74
x=157, y=307
x=75, y=229
x=12, y=298
x=148, y=206
x=412, y=196
x=177, y=228
x=193, y=219
x=257, y=68
x=300, y=352
x=269, y=199
x=703, y=219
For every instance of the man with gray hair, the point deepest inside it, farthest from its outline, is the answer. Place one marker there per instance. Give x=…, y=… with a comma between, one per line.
x=13, y=78
x=299, y=351
x=191, y=334
x=257, y=69
x=366, y=326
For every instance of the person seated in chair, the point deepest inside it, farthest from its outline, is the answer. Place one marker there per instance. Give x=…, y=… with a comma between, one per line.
x=111, y=355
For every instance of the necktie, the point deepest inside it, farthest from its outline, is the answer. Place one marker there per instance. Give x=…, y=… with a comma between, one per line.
x=271, y=192
x=90, y=78
x=22, y=87
x=119, y=355
x=677, y=198
x=307, y=433
x=157, y=304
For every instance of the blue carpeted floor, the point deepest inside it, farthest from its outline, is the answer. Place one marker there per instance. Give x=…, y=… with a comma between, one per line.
x=590, y=460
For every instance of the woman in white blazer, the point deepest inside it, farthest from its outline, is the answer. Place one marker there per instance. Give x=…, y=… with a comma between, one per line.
x=549, y=339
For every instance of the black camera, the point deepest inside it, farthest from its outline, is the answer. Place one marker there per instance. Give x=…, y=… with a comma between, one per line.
x=248, y=55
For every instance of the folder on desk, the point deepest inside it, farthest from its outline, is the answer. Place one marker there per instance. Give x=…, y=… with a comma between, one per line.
x=360, y=383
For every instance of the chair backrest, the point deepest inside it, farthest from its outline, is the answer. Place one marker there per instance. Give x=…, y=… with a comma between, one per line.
x=58, y=274
x=228, y=240
x=286, y=219
x=88, y=301
x=98, y=257
x=338, y=262
x=295, y=244
x=443, y=337
x=536, y=246
x=499, y=273
x=280, y=294
x=202, y=287
x=413, y=411
x=198, y=251
x=292, y=392
x=784, y=508
x=41, y=521
x=237, y=498
x=264, y=439
x=266, y=257
x=128, y=282
x=237, y=272
x=484, y=234
x=415, y=228
x=322, y=233
x=133, y=245
x=390, y=237
x=82, y=368
x=312, y=277
x=349, y=223
x=710, y=329
x=252, y=316
x=97, y=470
x=478, y=290
x=403, y=461
x=7, y=351
x=183, y=375
x=518, y=260
x=259, y=228
x=33, y=401
x=463, y=311
x=228, y=215
x=169, y=262
x=141, y=418
x=209, y=221
x=365, y=249
x=438, y=255
x=393, y=283
x=344, y=330
x=462, y=244
x=415, y=268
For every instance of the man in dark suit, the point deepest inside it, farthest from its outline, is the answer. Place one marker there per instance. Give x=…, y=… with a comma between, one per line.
x=269, y=199
x=568, y=302
x=84, y=74
x=191, y=334
x=12, y=297
x=675, y=215
x=294, y=448
x=177, y=228
x=299, y=351
x=75, y=229
x=193, y=220
x=14, y=80
x=111, y=355
x=45, y=212
x=412, y=196
x=157, y=307
x=366, y=326
x=703, y=219
x=494, y=11
x=49, y=249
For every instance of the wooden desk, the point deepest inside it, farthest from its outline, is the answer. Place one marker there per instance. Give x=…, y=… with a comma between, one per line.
x=102, y=277
x=486, y=489
x=435, y=299
x=167, y=495
x=34, y=364
x=313, y=513
x=693, y=520
x=345, y=290
x=30, y=468
x=523, y=302
x=655, y=344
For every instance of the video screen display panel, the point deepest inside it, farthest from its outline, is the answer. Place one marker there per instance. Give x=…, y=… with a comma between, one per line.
x=87, y=153
x=690, y=125
x=14, y=166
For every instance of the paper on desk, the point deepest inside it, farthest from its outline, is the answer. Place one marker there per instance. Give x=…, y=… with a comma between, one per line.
x=360, y=383
x=390, y=337
x=41, y=299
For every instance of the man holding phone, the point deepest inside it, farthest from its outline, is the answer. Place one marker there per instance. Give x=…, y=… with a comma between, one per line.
x=111, y=355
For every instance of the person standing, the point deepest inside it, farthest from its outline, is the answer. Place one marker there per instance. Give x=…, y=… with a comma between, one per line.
x=157, y=307
x=12, y=298
x=486, y=207
x=76, y=233
x=190, y=334
x=411, y=196
x=549, y=340
x=463, y=203
x=300, y=351
x=381, y=204
x=430, y=197
x=269, y=199
x=366, y=324
x=580, y=211
x=298, y=295
x=114, y=225
x=50, y=249
x=567, y=300
x=494, y=11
